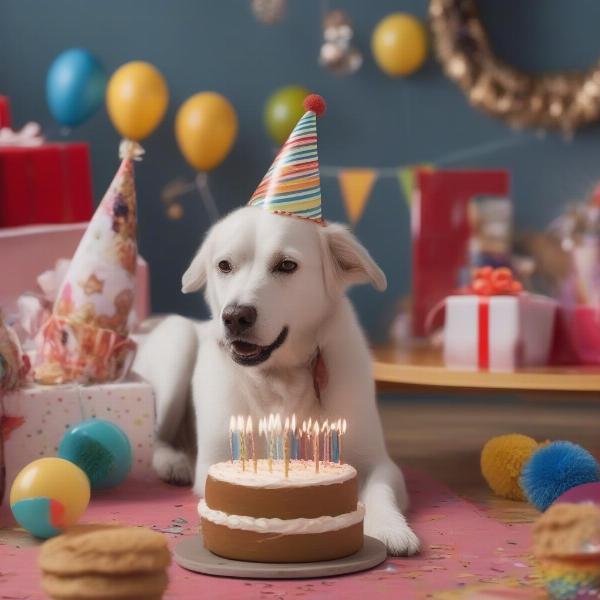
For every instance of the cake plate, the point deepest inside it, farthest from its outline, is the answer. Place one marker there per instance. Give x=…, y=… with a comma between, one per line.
x=191, y=554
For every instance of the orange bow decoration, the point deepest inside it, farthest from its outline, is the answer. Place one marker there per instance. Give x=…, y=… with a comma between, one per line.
x=488, y=281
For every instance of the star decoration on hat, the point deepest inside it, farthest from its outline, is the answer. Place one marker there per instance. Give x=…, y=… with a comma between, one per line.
x=92, y=285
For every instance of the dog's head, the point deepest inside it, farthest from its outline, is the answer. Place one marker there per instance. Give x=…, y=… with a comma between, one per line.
x=271, y=281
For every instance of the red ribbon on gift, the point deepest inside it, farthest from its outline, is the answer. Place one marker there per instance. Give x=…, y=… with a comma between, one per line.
x=488, y=282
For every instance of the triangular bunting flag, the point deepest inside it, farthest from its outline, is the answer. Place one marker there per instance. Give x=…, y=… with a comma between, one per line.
x=406, y=179
x=356, y=185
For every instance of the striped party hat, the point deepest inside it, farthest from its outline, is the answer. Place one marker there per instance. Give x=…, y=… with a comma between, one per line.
x=292, y=186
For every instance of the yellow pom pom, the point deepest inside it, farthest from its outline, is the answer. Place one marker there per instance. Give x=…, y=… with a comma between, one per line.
x=502, y=459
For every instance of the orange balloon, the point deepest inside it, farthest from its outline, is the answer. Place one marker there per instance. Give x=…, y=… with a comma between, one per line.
x=206, y=126
x=136, y=98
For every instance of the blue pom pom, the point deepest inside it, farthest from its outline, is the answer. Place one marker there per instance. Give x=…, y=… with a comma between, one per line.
x=554, y=469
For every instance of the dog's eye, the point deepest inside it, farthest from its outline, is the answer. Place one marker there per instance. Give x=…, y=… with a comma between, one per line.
x=286, y=266
x=225, y=266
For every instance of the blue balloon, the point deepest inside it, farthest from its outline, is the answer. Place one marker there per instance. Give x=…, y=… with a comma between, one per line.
x=75, y=86
x=101, y=449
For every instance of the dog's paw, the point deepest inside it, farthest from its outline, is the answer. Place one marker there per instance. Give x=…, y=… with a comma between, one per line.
x=172, y=466
x=400, y=540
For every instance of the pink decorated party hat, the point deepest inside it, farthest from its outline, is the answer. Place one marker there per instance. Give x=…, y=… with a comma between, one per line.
x=86, y=337
x=292, y=186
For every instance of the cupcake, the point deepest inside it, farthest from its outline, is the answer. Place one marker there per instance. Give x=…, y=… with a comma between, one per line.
x=566, y=544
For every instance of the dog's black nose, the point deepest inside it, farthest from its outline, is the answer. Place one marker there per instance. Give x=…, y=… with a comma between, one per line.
x=238, y=318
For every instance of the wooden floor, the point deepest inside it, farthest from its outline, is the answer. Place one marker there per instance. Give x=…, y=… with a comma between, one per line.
x=444, y=439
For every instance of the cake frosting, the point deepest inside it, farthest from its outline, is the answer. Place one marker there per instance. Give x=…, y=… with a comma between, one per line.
x=282, y=526
x=301, y=474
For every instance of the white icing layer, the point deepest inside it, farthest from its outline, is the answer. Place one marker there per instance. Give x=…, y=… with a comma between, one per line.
x=282, y=526
x=301, y=474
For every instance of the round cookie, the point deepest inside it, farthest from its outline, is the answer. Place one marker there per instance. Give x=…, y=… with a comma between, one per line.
x=145, y=586
x=106, y=549
x=102, y=562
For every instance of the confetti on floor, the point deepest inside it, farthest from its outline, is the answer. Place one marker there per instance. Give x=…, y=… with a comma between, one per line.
x=466, y=555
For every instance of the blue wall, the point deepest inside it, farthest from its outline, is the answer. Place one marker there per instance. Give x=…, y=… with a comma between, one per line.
x=372, y=120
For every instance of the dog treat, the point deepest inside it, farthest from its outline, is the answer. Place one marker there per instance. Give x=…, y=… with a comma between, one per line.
x=270, y=517
x=94, y=562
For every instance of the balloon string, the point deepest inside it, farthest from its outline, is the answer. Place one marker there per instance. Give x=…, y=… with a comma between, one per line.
x=207, y=197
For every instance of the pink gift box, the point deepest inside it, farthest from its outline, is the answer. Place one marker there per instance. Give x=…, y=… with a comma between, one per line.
x=26, y=252
x=498, y=333
x=34, y=419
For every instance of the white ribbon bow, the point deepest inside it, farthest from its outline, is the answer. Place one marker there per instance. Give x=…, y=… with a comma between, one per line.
x=29, y=136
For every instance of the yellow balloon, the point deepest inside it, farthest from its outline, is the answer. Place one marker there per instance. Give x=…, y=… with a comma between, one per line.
x=56, y=479
x=399, y=44
x=137, y=97
x=206, y=127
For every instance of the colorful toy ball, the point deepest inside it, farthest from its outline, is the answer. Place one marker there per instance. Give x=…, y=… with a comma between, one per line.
x=502, y=460
x=49, y=495
x=555, y=469
x=101, y=449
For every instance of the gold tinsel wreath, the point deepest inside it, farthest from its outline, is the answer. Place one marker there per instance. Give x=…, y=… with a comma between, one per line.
x=563, y=101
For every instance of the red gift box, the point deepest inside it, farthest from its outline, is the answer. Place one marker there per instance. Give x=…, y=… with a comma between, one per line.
x=47, y=183
x=4, y=112
x=441, y=232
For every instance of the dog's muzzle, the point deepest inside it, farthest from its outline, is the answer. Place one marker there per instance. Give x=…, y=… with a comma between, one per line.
x=248, y=354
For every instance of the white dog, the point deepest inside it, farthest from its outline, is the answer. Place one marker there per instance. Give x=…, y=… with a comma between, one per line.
x=283, y=338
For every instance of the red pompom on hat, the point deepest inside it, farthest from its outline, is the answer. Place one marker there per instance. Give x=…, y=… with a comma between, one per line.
x=315, y=103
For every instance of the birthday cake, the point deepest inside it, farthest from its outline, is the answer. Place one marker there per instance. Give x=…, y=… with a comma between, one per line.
x=282, y=513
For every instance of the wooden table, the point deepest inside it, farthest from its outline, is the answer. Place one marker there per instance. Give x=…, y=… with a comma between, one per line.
x=422, y=367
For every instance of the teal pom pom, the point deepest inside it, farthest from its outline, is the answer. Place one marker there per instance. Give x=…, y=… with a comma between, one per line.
x=554, y=469
x=101, y=449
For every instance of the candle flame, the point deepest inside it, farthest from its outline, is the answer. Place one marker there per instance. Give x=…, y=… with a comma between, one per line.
x=304, y=426
x=271, y=423
x=260, y=427
x=286, y=427
x=232, y=424
x=325, y=426
x=310, y=424
x=344, y=426
x=278, y=423
x=240, y=423
x=316, y=428
x=334, y=426
x=293, y=426
x=249, y=424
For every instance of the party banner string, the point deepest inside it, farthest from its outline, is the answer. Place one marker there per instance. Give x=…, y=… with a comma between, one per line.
x=356, y=183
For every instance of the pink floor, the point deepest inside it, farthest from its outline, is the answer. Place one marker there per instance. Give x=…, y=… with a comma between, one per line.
x=466, y=553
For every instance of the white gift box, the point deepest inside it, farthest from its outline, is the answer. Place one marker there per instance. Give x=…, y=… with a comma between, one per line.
x=498, y=333
x=34, y=419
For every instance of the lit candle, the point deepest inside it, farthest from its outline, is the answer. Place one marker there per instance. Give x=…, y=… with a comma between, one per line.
x=294, y=438
x=286, y=447
x=270, y=427
x=325, y=431
x=234, y=446
x=262, y=427
x=342, y=430
x=316, y=430
x=240, y=427
x=278, y=440
x=309, y=431
x=305, y=435
x=335, y=449
x=250, y=441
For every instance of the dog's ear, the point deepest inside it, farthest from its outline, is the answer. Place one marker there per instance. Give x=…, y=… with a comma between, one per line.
x=195, y=276
x=346, y=261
